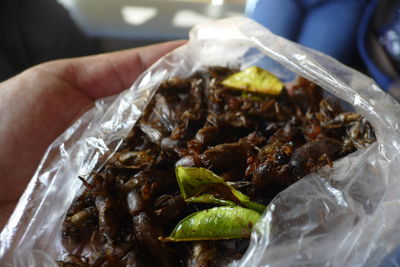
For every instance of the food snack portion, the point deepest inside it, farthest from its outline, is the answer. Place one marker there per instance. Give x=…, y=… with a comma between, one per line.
x=201, y=165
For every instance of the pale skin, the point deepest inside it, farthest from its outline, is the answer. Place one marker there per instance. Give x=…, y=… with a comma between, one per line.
x=39, y=104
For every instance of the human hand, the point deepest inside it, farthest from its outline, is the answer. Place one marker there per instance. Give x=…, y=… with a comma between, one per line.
x=39, y=104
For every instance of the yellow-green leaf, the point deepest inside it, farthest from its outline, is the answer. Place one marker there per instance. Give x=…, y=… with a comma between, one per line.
x=194, y=181
x=254, y=79
x=216, y=223
x=245, y=200
x=198, y=184
x=210, y=199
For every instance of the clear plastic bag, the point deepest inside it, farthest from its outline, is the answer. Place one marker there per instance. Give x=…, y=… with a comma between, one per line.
x=342, y=216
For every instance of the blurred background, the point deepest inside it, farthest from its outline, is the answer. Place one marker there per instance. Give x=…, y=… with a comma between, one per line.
x=364, y=34
x=36, y=31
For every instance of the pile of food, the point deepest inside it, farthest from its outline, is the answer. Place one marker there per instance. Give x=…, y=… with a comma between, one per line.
x=201, y=165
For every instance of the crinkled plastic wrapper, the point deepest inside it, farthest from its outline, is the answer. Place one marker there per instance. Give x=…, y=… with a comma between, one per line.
x=342, y=216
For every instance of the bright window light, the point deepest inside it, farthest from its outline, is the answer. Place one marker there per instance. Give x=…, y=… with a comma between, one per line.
x=217, y=2
x=138, y=15
x=186, y=18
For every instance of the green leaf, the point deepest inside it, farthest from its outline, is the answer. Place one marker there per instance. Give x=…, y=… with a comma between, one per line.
x=193, y=181
x=245, y=200
x=200, y=185
x=216, y=223
x=254, y=79
x=210, y=199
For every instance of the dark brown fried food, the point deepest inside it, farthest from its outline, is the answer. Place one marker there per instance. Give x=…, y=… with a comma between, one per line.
x=258, y=143
x=202, y=253
x=168, y=207
x=147, y=232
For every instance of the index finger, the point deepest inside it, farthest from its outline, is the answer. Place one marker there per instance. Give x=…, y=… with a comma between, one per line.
x=107, y=74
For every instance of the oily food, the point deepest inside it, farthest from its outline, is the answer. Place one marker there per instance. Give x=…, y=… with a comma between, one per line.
x=201, y=165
